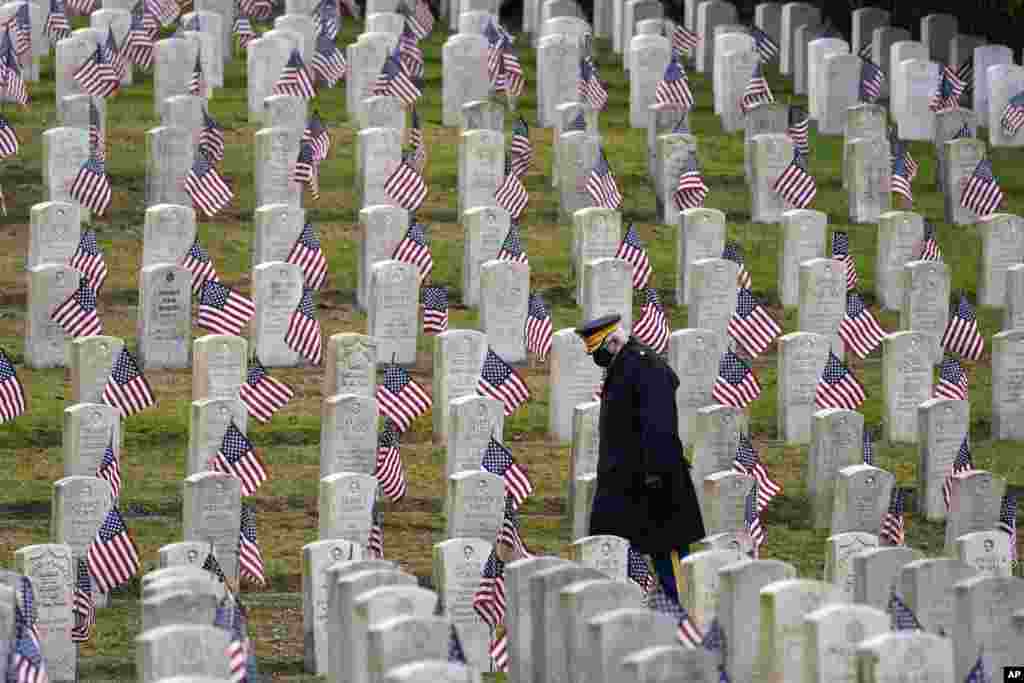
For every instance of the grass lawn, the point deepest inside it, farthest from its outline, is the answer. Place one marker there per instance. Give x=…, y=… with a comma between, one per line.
x=153, y=462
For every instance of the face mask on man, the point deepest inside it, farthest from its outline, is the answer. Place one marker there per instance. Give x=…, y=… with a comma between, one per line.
x=603, y=357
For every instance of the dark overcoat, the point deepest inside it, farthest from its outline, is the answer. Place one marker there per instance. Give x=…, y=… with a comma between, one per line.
x=639, y=436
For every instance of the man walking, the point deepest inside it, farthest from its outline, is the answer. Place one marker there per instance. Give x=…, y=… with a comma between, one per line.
x=644, y=491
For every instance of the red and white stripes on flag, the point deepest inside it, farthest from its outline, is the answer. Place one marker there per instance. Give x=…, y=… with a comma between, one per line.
x=736, y=384
x=304, y=335
x=539, y=329
x=262, y=394
x=859, y=329
x=236, y=456
x=751, y=325
x=250, y=559
x=962, y=336
x=12, y=394
x=795, y=184
x=837, y=387
x=652, y=327
x=127, y=388
x=631, y=249
x=500, y=381
x=952, y=380
x=308, y=254
x=77, y=315
x=389, y=470
x=222, y=310
x=112, y=556
x=406, y=187
x=401, y=398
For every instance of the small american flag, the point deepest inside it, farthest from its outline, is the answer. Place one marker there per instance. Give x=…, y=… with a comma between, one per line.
x=230, y=616
x=952, y=380
x=691, y=191
x=748, y=462
x=308, y=255
x=317, y=135
x=237, y=457
x=500, y=381
x=687, y=631
x=435, y=309
x=892, y=529
x=138, y=46
x=11, y=82
x=766, y=47
x=520, y=147
x=638, y=571
x=83, y=608
x=499, y=651
x=8, y=139
x=411, y=54
x=113, y=54
x=77, y=316
x=306, y=170
x=127, y=388
x=601, y=185
x=418, y=158
x=406, y=186
x=242, y=29
x=295, y=79
x=415, y=249
x=799, y=122
x=57, y=27
x=652, y=327
x=97, y=76
x=841, y=251
x=837, y=387
x=870, y=81
x=498, y=460
x=962, y=464
x=512, y=195
x=509, y=533
x=512, y=248
x=714, y=642
x=494, y=48
x=250, y=559
x=304, y=335
x=328, y=63
x=859, y=329
x=868, y=450
x=1013, y=116
x=795, y=184
x=1008, y=520
x=751, y=325
x=401, y=398
x=901, y=617
x=393, y=80
x=752, y=517
x=757, y=91
x=167, y=11
x=91, y=187
x=901, y=174
x=965, y=73
x=683, y=40
x=258, y=10
x=455, y=652
x=197, y=85
x=977, y=674
x=419, y=18
x=539, y=330
x=112, y=555
x=211, y=138
x=947, y=92
x=962, y=336
x=88, y=259
x=26, y=660
x=930, y=250
x=211, y=565
x=589, y=87
x=327, y=19
x=110, y=469
x=198, y=261
x=511, y=79
x=389, y=471
x=632, y=249
x=222, y=310
x=732, y=251
x=12, y=394
x=375, y=539
x=489, y=599
x=207, y=189
x=982, y=193
x=673, y=88
x=97, y=141
x=262, y=394
x=736, y=384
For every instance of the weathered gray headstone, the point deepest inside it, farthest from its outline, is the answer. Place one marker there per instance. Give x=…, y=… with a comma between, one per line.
x=772, y=154
x=1002, y=246
x=802, y=238
x=701, y=236
x=346, y=506
x=64, y=152
x=596, y=233
x=382, y=228
x=794, y=14
x=89, y=428
x=783, y=637
x=709, y=15
x=831, y=636
x=519, y=612
x=265, y=57
x=504, y=295
x=275, y=152
x=608, y=554
x=472, y=421
x=365, y=58
x=1008, y=385
x=548, y=620
x=475, y=505
x=905, y=654
x=802, y=37
x=51, y=569
x=648, y=57
x=818, y=52
x=936, y=32
x=861, y=499
x=90, y=361
x=585, y=447
x=558, y=57
x=181, y=649
x=316, y=558
x=948, y=124
x=481, y=167
x=724, y=501
x=183, y=553
x=764, y=119
x=275, y=229
x=56, y=228
x=209, y=420
x=173, y=61
x=841, y=90
x=907, y=361
x=212, y=513
x=350, y=365
x=713, y=294
x=926, y=289
x=46, y=343
x=574, y=377
x=914, y=81
x=882, y=39
x=218, y=366
x=988, y=552
x=348, y=434
x=869, y=179
x=579, y=603
x=80, y=505
x=899, y=51
x=716, y=436
x=465, y=78
x=877, y=573
x=900, y=234
x=821, y=299
x=165, y=316
x=699, y=573
x=457, y=565
x=382, y=111
x=801, y=360
x=458, y=359
x=619, y=633
x=277, y=290
x=1004, y=82
x=578, y=151
x=864, y=121
x=960, y=158
x=168, y=232
x=865, y=21
x=393, y=302
x=942, y=424
x=671, y=158
x=694, y=354
x=839, y=552
x=405, y=640
x=836, y=442
x=485, y=228
x=984, y=57
x=926, y=587
x=974, y=503
x=607, y=289
x=378, y=154
x=984, y=622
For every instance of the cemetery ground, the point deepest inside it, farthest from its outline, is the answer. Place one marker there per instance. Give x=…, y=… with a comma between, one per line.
x=157, y=440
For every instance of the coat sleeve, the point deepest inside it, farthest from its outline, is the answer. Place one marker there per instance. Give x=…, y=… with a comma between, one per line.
x=657, y=420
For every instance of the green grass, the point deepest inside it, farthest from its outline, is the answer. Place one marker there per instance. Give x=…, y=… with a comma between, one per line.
x=156, y=441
